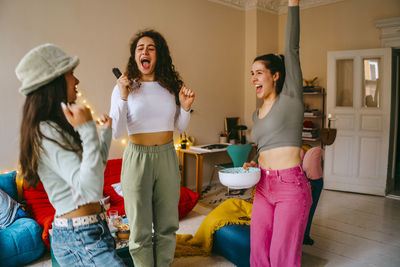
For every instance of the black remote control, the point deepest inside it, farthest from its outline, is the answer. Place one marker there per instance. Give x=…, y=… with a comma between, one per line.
x=117, y=72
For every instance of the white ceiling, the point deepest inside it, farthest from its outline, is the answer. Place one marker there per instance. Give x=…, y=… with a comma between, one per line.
x=274, y=6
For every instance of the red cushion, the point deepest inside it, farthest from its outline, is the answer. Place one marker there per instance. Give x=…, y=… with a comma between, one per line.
x=116, y=201
x=112, y=175
x=187, y=201
x=112, y=172
x=43, y=212
x=38, y=205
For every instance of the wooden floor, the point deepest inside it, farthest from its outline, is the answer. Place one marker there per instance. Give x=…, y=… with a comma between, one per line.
x=355, y=230
x=348, y=230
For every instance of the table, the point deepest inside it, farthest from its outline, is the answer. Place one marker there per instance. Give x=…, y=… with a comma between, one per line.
x=199, y=165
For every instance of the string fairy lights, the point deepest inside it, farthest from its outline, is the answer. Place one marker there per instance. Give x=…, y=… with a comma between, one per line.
x=6, y=171
x=82, y=100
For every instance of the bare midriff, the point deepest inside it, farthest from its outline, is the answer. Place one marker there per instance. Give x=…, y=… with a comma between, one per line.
x=151, y=139
x=280, y=158
x=84, y=210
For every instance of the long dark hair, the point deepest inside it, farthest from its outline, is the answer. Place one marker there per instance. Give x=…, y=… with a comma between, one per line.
x=274, y=63
x=165, y=73
x=44, y=104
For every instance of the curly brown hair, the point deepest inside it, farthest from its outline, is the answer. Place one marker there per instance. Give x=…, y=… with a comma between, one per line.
x=44, y=105
x=164, y=72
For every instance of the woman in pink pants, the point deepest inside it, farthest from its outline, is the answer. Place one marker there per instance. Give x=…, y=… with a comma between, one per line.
x=283, y=197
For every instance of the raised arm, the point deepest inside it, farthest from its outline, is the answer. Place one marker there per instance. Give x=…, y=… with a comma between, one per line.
x=182, y=115
x=294, y=80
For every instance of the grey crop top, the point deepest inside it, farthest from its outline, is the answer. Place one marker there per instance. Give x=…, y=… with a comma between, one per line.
x=283, y=124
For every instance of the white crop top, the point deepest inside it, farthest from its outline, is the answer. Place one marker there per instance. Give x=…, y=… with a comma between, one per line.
x=150, y=108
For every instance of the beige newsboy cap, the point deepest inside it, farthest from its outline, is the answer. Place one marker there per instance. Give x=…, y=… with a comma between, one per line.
x=42, y=65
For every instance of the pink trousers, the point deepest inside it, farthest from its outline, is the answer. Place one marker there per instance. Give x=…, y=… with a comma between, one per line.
x=280, y=211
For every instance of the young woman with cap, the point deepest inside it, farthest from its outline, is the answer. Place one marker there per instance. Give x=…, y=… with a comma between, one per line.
x=59, y=146
x=150, y=101
x=282, y=198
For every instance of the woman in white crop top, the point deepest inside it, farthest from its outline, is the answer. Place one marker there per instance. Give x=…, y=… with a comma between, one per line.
x=282, y=197
x=150, y=101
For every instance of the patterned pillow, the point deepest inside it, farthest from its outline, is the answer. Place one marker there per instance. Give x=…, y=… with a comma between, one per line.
x=112, y=175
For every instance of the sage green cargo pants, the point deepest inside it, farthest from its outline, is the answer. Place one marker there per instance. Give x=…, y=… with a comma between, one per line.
x=150, y=182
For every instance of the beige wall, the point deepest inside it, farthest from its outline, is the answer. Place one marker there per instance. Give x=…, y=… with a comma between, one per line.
x=261, y=37
x=267, y=41
x=205, y=39
x=251, y=36
x=212, y=47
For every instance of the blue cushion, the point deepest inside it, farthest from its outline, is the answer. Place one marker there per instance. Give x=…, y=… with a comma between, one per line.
x=8, y=185
x=21, y=243
x=233, y=243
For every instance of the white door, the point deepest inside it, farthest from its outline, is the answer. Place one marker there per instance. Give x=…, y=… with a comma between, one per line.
x=358, y=97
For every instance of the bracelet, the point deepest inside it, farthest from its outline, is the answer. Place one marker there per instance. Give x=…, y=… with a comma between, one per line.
x=124, y=99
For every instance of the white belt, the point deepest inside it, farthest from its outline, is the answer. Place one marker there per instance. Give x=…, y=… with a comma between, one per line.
x=79, y=221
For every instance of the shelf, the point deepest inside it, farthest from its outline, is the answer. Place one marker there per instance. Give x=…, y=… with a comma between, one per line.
x=315, y=90
x=310, y=139
x=314, y=106
x=313, y=117
x=313, y=93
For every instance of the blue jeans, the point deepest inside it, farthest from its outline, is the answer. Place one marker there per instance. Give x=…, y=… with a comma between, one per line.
x=87, y=245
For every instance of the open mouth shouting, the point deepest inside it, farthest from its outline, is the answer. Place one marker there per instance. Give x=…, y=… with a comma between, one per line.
x=258, y=88
x=146, y=57
x=145, y=63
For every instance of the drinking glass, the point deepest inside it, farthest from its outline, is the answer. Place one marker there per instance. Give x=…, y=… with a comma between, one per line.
x=115, y=220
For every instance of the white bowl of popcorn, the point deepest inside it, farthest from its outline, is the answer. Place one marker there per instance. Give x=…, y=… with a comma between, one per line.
x=239, y=178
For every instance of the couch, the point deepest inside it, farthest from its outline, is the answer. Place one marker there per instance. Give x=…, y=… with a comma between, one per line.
x=21, y=237
x=42, y=212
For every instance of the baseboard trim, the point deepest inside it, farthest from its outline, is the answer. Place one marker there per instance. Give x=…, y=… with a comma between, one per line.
x=393, y=197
